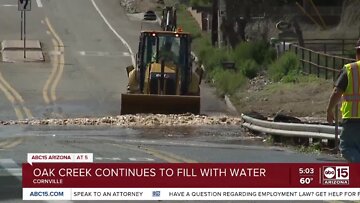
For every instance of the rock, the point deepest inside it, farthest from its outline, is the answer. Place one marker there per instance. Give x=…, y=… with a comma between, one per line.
x=223, y=119
x=256, y=115
x=45, y=122
x=286, y=119
x=132, y=119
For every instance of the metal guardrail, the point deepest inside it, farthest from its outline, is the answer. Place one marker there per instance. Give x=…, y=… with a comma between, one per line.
x=290, y=129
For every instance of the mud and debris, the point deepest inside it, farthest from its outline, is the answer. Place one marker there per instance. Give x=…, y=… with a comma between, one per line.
x=138, y=120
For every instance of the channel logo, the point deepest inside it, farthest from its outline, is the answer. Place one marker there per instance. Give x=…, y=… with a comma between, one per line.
x=336, y=175
x=156, y=193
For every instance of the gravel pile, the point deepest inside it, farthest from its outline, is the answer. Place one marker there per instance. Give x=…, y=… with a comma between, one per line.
x=134, y=121
x=258, y=83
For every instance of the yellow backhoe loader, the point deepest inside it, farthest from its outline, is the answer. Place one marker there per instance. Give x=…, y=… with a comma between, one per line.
x=163, y=80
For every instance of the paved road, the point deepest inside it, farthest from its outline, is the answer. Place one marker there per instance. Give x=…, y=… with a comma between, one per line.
x=87, y=44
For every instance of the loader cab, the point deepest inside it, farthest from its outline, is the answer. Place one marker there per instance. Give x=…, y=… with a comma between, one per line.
x=165, y=47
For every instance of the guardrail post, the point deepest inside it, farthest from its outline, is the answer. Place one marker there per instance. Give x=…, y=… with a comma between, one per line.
x=303, y=58
x=334, y=143
x=334, y=68
x=284, y=46
x=326, y=65
x=315, y=140
x=318, y=65
x=290, y=46
x=310, y=53
x=343, y=47
x=304, y=141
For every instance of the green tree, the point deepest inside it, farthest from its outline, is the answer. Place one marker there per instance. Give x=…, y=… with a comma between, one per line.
x=195, y=3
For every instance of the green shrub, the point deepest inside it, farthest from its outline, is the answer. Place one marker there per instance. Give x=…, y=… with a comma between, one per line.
x=259, y=51
x=201, y=45
x=250, y=68
x=216, y=57
x=270, y=56
x=195, y=3
x=242, y=52
x=287, y=64
x=212, y=57
x=196, y=35
x=291, y=77
x=227, y=82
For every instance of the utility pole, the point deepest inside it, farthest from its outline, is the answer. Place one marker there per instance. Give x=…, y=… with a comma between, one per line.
x=214, y=23
x=221, y=15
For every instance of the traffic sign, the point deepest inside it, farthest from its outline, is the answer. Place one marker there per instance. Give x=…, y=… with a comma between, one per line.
x=24, y=5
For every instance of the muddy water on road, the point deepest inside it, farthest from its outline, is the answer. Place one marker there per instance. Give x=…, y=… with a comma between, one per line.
x=219, y=134
x=209, y=134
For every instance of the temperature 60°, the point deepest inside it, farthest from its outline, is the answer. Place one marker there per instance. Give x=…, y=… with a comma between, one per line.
x=306, y=181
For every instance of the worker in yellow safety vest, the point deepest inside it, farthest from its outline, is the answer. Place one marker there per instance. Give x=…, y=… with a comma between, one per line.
x=347, y=88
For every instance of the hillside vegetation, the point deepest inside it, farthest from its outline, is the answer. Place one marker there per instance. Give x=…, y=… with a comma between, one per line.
x=259, y=81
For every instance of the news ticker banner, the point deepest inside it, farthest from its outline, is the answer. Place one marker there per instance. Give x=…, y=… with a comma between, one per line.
x=84, y=180
x=191, y=194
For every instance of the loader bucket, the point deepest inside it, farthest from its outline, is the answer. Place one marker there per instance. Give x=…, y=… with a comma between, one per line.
x=159, y=104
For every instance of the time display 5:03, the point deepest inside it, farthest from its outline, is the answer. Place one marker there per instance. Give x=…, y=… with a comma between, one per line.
x=306, y=171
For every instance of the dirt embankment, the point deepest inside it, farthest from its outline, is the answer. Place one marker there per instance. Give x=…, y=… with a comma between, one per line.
x=303, y=99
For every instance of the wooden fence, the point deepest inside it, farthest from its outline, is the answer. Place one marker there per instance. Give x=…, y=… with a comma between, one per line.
x=338, y=47
x=314, y=62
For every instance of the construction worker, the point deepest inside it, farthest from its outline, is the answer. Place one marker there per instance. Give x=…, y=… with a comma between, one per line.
x=347, y=87
x=165, y=53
